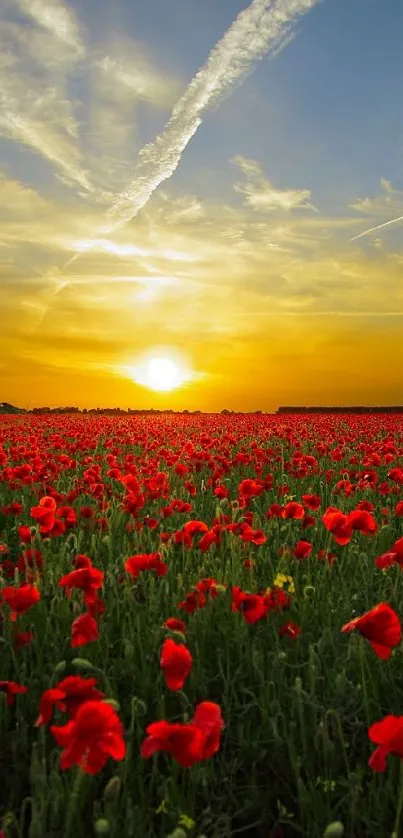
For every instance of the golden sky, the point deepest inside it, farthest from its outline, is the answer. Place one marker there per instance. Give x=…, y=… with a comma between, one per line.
x=210, y=250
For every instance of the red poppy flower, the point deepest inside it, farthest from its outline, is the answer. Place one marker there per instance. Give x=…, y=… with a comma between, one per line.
x=81, y=560
x=249, y=564
x=290, y=629
x=250, y=488
x=176, y=663
x=312, y=501
x=303, y=549
x=274, y=511
x=173, y=624
x=86, y=579
x=134, y=565
x=398, y=549
x=23, y=638
x=208, y=718
x=248, y=534
x=96, y=608
x=193, y=601
x=49, y=698
x=86, y=512
x=276, y=600
x=77, y=690
x=68, y=695
x=20, y=599
x=88, y=740
x=338, y=524
x=251, y=606
x=396, y=474
x=381, y=626
x=11, y=689
x=187, y=743
x=293, y=509
x=24, y=534
x=210, y=537
x=221, y=492
x=84, y=630
x=208, y=586
x=386, y=560
x=388, y=735
x=44, y=514
x=183, y=742
x=362, y=520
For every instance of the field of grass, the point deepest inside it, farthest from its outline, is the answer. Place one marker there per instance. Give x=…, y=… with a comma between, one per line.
x=263, y=585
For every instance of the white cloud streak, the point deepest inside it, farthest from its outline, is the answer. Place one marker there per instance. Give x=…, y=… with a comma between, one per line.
x=378, y=227
x=260, y=29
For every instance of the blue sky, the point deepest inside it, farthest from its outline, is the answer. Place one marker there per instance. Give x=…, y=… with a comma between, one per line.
x=252, y=213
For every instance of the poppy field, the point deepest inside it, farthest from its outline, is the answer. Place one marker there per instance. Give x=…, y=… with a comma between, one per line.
x=200, y=626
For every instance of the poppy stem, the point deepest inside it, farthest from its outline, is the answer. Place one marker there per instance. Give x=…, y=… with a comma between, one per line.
x=72, y=811
x=399, y=808
x=364, y=683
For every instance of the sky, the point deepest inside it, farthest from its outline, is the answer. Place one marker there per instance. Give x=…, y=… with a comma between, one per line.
x=194, y=185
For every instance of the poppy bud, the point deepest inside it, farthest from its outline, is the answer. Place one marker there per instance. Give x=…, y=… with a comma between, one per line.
x=112, y=789
x=101, y=827
x=61, y=666
x=84, y=664
x=298, y=684
x=334, y=830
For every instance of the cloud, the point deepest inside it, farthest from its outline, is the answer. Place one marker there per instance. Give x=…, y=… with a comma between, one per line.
x=121, y=76
x=130, y=75
x=57, y=18
x=35, y=108
x=44, y=64
x=390, y=200
x=262, y=196
x=16, y=198
x=257, y=30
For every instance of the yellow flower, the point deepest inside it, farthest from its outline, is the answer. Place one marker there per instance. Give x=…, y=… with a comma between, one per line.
x=282, y=580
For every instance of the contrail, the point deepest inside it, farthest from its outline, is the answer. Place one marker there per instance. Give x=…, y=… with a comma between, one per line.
x=259, y=29
x=378, y=227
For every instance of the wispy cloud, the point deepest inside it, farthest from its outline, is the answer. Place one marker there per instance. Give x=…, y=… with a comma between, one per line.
x=262, y=196
x=130, y=75
x=58, y=18
x=35, y=108
x=258, y=30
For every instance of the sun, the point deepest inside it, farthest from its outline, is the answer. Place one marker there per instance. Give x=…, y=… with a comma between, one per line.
x=161, y=373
